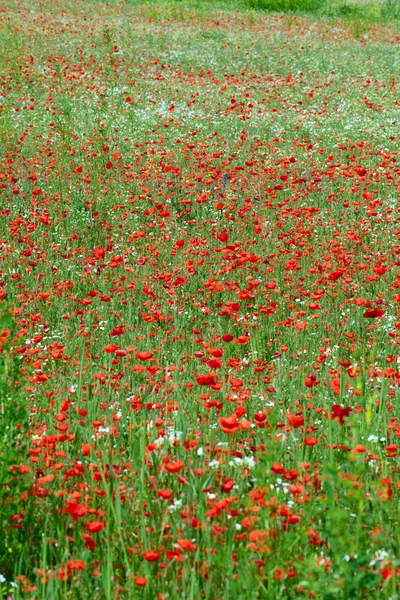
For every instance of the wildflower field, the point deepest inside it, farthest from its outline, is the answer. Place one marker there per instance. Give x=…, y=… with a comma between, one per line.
x=199, y=303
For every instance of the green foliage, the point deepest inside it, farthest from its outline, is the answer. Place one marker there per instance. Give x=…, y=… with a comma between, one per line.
x=362, y=12
x=391, y=9
x=285, y=5
x=354, y=10
x=372, y=12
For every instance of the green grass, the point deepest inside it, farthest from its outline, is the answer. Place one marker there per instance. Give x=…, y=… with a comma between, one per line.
x=353, y=10
x=173, y=174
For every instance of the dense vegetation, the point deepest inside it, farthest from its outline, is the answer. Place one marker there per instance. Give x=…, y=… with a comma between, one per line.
x=199, y=302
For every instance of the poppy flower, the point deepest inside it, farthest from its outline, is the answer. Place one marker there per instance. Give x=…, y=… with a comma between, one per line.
x=229, y=424
x=310, y=441
x=164, y=494
x=38, y=491
x=227, y=337
x=205, y=380
x=338, y=412
x=117, y=331
x=227, y=486
x=94, y=526
x=151, y=555
x=76, y=565
x=311, y=381
x=174, y=467
x=293, y=519
x=314, y=539
x=76, y=510
x=277, y=468
x=110, y=348
x=186, y=545
x=144, y=355
x=295, y=421
x=372, y=313
x=391, y=450
x=85, y=449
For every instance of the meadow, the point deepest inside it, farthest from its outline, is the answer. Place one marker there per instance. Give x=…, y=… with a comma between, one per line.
x=199, y=302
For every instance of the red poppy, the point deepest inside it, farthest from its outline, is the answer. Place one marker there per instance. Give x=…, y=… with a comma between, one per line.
x=110, y=348
x=311, y=381
x=310, y=441
x=372, y=313
x=76, y=565
x=85, y=449
x=391, y=450
x=278, y=469
x=208, y=379
x=186, y=545
x=151, y=555
x=227, y=337
x=94, y=526
x=164, y=494
x=76, y=510
x=229, y=424
x=295, y=421
x=118, y=331
x=144, y=355
x=174, y=467
x=227, y=486
x=338, y=412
